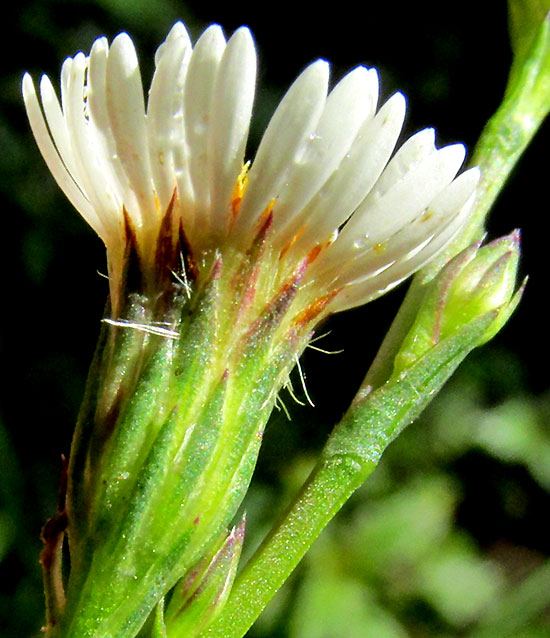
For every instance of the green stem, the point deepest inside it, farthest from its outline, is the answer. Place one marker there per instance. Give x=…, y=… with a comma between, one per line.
x=326, y=490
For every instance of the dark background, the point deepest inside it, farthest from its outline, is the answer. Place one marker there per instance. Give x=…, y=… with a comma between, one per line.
x=482, y=451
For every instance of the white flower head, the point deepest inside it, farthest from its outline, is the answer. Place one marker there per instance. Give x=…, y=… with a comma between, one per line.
x=326, y=174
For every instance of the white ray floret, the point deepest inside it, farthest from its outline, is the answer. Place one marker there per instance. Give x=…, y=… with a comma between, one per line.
x=354, y=177
x=324, y=165
x=285, y=141
x=164, y=113
x=348, y=106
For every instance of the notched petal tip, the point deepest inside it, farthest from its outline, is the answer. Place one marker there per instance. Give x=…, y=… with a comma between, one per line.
x=360, y=71
x=428, y=135
x=356, y=90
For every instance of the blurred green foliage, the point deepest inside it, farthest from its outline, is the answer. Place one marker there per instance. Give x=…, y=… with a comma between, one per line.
x=448, y=538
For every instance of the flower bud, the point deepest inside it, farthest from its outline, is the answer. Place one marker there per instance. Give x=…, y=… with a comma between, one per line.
x=476, y=282
x=200, y=596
